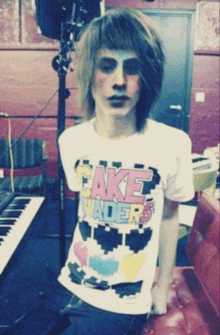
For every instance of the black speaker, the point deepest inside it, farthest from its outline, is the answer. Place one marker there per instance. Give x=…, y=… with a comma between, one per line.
x=50, y=14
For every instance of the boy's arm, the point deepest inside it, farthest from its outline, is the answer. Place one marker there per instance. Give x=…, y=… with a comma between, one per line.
x=167, y=255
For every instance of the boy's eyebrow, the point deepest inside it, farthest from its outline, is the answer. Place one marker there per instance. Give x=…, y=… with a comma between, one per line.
x=132, y=60
x=109, y=59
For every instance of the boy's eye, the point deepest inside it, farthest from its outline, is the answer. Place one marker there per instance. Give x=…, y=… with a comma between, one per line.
x=132, y=67
x=131, y=70
x=107, y=66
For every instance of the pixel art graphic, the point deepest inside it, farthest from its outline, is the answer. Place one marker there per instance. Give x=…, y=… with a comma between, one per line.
x=117, y=205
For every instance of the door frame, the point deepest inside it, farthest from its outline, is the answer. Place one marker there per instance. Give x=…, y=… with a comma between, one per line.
x=190, y=13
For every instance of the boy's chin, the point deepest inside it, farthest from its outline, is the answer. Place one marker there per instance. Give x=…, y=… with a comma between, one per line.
x=118, y=110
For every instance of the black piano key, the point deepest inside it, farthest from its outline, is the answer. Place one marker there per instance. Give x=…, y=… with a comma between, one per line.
x=11, y=214
x=16, y=206
x=199, y=159
x=7, y=222
x=20, y=201
x=4, y=230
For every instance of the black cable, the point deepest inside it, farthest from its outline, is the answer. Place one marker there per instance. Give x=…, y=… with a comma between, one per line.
x=36, y=116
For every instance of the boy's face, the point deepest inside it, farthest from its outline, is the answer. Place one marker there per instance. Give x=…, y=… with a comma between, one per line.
x=116, y=85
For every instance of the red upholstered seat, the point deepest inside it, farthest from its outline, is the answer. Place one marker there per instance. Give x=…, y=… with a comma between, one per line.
x=193, y=303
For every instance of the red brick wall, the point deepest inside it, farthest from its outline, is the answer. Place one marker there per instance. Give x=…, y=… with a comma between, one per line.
x=28, y=80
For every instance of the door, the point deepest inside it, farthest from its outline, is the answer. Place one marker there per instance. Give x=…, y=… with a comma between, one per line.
x=177, y=32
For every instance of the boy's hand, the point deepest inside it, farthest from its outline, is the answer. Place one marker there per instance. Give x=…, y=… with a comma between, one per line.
x=159, y=299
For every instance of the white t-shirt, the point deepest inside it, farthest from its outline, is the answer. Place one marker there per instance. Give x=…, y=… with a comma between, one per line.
x=122, y=183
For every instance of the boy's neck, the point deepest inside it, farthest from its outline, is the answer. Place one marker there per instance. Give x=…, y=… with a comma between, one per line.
x=115, y=127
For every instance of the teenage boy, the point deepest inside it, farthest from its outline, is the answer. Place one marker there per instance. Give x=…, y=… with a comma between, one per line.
x=131, y=173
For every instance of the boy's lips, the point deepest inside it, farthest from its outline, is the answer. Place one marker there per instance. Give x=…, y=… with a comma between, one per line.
x=118, y=98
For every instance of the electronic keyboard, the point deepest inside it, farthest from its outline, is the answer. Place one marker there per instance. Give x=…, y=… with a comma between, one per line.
x=17, y=213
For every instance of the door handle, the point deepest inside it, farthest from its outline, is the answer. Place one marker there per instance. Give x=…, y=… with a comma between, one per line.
x=177, y=107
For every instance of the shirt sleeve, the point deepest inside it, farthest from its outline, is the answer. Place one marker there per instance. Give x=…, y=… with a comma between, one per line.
x=69, y=160
x=180, y=183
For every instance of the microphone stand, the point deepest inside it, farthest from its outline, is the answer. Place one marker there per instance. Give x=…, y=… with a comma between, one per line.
x=70, y=30
x=61, y=177
x=60, y=64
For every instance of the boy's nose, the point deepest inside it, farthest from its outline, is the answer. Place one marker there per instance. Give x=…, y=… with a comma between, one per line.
x=119, y=76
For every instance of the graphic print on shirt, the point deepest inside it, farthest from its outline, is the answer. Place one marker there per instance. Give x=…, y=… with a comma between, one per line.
x=122, y=289
x=116, y=207
x=114, y=194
